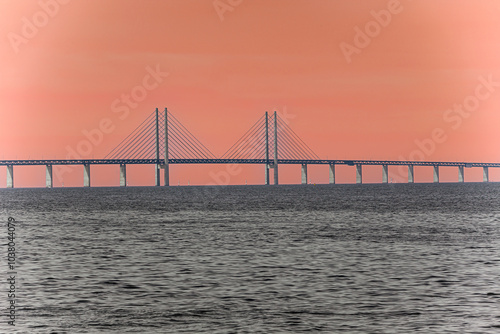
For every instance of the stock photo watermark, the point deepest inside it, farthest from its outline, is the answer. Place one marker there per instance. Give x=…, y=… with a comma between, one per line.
x=223, y=6
x=364, y=35
x=12, y=271
x=30, y=26
x=453, y=117
x=121, y=107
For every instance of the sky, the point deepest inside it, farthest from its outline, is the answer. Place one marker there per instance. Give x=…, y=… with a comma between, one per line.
x=358, y=79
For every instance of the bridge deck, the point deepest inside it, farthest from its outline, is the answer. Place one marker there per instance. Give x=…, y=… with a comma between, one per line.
x=243, y=161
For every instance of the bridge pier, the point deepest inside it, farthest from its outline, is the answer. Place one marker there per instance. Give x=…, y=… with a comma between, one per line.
x=460, y=173
x=304, y=173
x=332, y=173
x=123, y=175
x=86, y=175
x=486, y=174
x=359, y=173
x=411, y=175
x=10, y=176
x=385, y=174
x=157, y=175
x=49, y=183
x=436, y=174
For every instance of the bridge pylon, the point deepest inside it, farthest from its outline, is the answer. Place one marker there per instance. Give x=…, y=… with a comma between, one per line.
x=157, y=145
x=161, y=138
x=165, y=163
x=275, y=165
x=257, y=144
x=166, y=171
x=267, y=166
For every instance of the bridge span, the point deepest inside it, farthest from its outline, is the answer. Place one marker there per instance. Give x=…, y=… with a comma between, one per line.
x=162, y=140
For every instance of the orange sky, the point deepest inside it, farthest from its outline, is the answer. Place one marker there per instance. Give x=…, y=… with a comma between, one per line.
x=226, y=69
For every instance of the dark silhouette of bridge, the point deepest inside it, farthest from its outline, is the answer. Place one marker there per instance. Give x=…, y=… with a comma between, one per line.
x=161, y=139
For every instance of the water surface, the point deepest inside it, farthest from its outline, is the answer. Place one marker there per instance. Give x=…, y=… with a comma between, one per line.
x=397, y=258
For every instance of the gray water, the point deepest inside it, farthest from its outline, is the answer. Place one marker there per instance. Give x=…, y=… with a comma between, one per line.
x=402, y=258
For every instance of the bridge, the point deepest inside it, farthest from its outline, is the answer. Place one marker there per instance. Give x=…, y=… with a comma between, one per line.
x=161, y=140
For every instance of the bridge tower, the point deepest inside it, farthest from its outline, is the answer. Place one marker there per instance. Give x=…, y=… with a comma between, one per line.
x=164, y=165
x=258, y=146
x=157, y=141
x=160, y=139
x=166, y=172
x=275, y=148
x=267, y=148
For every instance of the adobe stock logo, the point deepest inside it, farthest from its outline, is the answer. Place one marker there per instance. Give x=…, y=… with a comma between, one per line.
x=122, y=108
x=222, y=6
x=453, y=119
x=30, y=27
x=373, y=28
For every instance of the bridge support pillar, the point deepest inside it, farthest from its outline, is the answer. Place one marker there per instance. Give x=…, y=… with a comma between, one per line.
x=436, y=174
x=411, y=175
x=332, y=173
x=385, y=174
x=157, y=175
x=49, y=183
x=486, y=175
x=460, y=173
x=359, y=174
x=304, y=173
x=86, y=175
x=10, y=176
x=123, y=175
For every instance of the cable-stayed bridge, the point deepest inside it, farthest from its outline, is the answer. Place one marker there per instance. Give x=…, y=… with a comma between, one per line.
x=161, y=140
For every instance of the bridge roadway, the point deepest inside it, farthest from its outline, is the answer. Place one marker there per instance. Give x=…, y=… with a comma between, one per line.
x=244, y=161
x=160, y=163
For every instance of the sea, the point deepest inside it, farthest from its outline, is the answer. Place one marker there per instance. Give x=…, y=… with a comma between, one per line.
x=370, y=258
